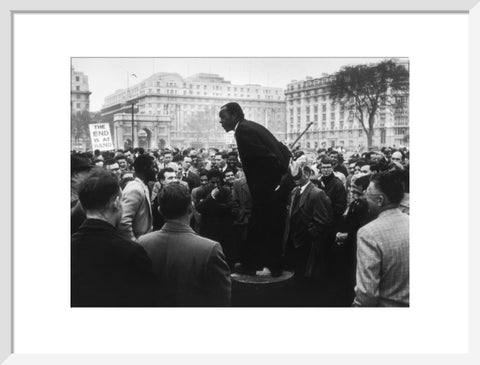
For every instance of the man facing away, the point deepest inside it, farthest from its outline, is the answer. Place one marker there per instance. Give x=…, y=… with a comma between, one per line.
x=383, y=247
x=191, y=269
x=137, y=212
x=108, y=269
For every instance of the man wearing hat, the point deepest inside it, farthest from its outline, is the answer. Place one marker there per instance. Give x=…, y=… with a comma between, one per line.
x=80, y=167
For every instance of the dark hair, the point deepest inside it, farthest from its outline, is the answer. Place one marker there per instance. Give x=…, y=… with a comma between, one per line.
x=390, y=183
x=141, y=151
x=174, y=201
x=379, y=166
x=326, y=160
x=79, y=164
x=161, y=173
x=203, y=172
x=178, y=158
x=224, y=174
x=110, y=161
x=96, y=152
x=368, y=163
x=120, y=157
x=98, y=188
x=234, y=109
x=233, y=154
x=142, y=163
x=214, y=173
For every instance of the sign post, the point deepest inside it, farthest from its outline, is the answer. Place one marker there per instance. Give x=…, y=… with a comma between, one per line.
x=101, y=137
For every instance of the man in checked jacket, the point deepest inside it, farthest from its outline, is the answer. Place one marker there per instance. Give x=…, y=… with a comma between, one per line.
x=383, y=247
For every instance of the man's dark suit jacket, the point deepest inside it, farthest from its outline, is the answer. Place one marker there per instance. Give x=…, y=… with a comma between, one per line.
x=192, y=179
x=312, y=218
x=108, y=269
x=191, y=269
x=310, y=224
x=335, y=190
x=264, y=159
x=265, y=162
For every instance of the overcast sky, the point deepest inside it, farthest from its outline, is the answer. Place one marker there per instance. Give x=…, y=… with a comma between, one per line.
x=105, y=75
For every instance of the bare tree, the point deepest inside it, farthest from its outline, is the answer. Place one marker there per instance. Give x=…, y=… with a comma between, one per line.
x=365, y=89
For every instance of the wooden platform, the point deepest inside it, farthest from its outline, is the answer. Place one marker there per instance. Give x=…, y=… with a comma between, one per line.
x=262, y=278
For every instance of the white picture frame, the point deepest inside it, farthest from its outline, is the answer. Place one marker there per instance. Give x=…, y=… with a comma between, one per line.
x=7, y=326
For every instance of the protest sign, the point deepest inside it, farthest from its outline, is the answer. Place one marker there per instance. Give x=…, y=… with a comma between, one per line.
x=101, y=138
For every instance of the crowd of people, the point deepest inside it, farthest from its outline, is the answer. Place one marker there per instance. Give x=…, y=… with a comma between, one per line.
x=168, y=227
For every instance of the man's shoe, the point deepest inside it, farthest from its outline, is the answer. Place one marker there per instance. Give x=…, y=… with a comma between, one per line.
x=244, y=270
x=275, y=273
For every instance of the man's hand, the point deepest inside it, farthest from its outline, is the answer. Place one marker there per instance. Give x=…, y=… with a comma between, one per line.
x=214, y=193
x=340, y=238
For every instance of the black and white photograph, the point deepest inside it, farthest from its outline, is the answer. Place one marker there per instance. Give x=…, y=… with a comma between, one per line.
x=240, y=182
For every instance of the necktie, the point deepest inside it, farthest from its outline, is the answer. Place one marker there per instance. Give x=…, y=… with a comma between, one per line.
x=296, y=200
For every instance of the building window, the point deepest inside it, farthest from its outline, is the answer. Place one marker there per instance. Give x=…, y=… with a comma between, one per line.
x=77, y=88
x=78, y=105
x=78, y=96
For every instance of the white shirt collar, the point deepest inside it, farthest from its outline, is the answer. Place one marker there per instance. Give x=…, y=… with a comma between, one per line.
x=302, y=189
x=235, y=128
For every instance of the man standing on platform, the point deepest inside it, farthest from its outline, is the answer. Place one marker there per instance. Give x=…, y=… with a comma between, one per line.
x=265, y=161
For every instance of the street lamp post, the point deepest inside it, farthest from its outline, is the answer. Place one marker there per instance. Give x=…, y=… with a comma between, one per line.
x=133, y=133
x=133, y=105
